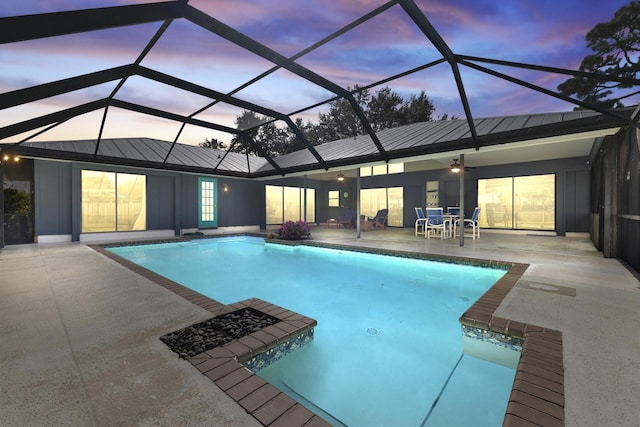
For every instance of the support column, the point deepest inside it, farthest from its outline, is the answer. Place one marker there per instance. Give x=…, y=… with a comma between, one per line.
x=304, y=203
x=358, y=204
x=461, y=200
x=610, y=198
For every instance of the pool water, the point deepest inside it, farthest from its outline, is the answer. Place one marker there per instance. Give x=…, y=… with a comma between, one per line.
x=388, y=345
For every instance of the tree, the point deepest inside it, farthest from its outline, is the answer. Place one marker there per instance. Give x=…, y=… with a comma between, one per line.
x=212, y=143
x=267, y=135
x=385, y=109
x=309, y=130
x=416, y=109
x=341, y=120
x=616, y=45
x=16, y=202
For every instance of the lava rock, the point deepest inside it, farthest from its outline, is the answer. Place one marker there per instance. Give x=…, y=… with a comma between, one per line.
x=203, y=336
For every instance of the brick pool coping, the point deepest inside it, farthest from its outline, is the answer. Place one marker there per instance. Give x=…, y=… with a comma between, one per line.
x=223, y=365
x=537, y=395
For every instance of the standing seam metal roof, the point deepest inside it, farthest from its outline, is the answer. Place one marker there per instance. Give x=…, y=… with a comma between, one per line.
x=410, y=140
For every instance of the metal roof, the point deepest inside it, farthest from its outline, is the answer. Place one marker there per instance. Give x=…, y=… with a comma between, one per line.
x=418, y=139
x=432, y=137
x=145, y=152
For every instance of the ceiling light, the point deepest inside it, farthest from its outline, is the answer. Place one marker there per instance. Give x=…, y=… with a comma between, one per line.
x=455, y=166
x=340, y=177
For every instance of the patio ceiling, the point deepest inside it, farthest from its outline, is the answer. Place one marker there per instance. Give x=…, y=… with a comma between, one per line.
x=165, y=15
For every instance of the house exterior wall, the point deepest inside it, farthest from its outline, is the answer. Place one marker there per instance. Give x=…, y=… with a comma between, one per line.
x=52, y=198
x=239, y=206
x=172, y=202
x=572, y=190
x=172, y=197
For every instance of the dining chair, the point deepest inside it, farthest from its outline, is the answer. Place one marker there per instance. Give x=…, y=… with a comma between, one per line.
x=437, y=224
x=470, y=223
x=421, y=221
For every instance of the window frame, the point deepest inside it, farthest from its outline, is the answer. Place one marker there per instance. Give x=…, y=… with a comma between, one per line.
x=113, y=202
x=280, y=207
x=511, y=214
x=333, y=198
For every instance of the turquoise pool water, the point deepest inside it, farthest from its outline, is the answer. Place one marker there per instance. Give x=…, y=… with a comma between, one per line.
x=388, y=346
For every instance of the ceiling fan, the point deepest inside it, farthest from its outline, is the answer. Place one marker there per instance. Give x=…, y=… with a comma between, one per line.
x=455, y=167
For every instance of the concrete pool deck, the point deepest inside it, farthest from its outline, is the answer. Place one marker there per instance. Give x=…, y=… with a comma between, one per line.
x=80, y=345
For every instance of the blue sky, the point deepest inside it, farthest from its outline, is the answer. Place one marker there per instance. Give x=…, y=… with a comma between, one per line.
x=550, y=33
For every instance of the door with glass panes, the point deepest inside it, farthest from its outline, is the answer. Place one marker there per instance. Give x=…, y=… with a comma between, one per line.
x=207, y=202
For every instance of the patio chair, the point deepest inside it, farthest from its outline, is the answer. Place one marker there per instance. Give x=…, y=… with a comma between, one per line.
x=421, y=221
x=348, y=220
x=453, y=210
x=378, y=221
x=437, y=224
x=471, y=223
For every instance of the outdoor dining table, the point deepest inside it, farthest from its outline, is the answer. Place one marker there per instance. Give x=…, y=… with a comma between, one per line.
x=452, y=220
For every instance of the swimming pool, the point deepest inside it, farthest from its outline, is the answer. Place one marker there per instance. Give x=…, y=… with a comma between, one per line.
x=388, y=347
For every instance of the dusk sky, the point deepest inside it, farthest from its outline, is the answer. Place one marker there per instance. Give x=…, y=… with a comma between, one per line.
x=540, y=32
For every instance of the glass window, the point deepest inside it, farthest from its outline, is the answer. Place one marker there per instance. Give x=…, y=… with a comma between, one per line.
x=379, y=170
x=382, y=169
x=286, y=204
x=524, y=202
x=495, y=202
x=292, y=203
x=395, y=204
x=132, y=202
x=274, y=204
x=534, y=202
x=98, y=201
x=334, y=198
x=374, y=199
x=311, y=205
x=396, y=167
x=113, y=201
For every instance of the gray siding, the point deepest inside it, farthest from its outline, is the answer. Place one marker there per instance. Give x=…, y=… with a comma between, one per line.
x=189, y=201
x=243, y=204
x=160, y=202
x=52, y=183
x=572, y=190
x=172, y=198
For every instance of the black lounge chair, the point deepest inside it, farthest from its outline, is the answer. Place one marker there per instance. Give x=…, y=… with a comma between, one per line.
x=378, y=221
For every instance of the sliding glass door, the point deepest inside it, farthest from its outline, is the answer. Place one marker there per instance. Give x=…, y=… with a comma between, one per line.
x=288, y=204
x=374, y=199
x=522, y=202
